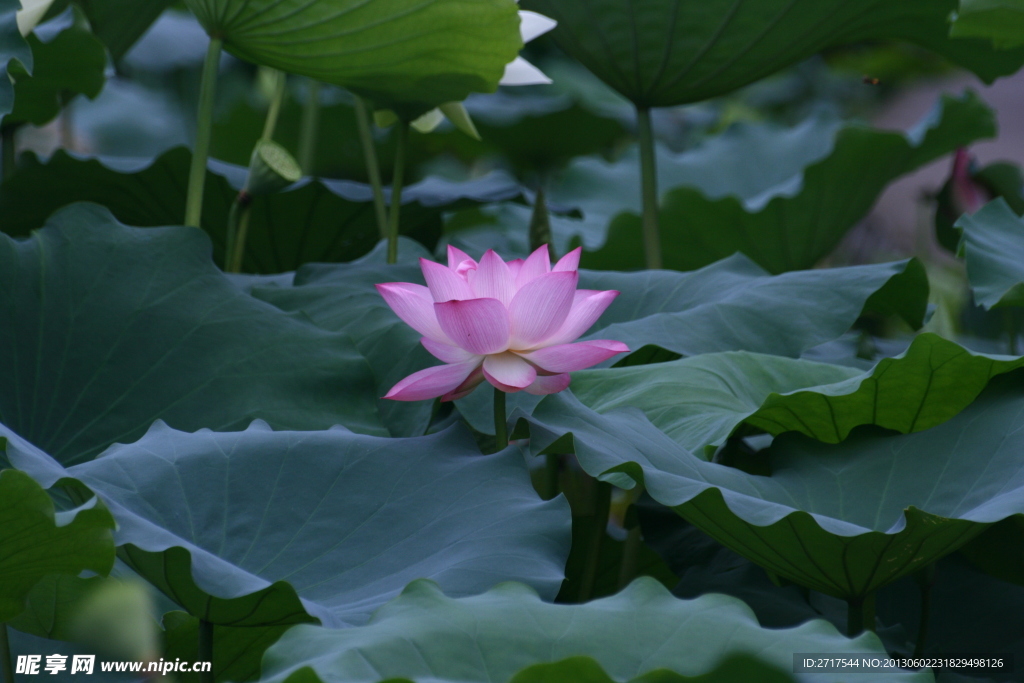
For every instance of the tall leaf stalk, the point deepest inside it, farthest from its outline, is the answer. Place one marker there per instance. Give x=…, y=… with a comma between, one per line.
x=372, y=164
x=204, y=130
x=649, y=189
x=860, y=615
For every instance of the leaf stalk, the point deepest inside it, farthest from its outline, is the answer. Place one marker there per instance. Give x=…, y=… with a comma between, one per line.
x=372, y=164
x=204, y=130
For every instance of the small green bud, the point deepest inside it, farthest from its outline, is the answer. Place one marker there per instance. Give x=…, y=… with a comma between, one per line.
x=271, y=168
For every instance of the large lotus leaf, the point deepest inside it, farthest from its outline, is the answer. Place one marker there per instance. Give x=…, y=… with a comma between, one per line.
x=262, y=528
x=992, y=244
x=36, y=541
x=402, y=52
x=106, y=328
x=119, y=23
x=735, y=305
x=314, y=222
x=700, y=401
x=1001, y=21
x=343, y=298
x=843, y=519
x=51, y=605
x=72, y=63
x=668, y=52
x=642, y=633
x=12, y=48
x=784, y=197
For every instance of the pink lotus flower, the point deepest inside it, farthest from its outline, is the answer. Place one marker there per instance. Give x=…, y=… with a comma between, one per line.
x=509, y=323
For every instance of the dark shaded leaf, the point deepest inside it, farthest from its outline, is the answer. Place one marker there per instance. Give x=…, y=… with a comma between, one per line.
x=506, y=633
x=106, y=328
x=668, y=52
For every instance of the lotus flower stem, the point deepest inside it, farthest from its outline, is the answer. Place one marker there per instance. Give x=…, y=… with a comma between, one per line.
x=7, y=149
x=231, y=235
x=274, y=110
x=204, y=128
x=234, y=263
x=860, y=615
x=649, y=185
x=600, y=495
x=6, y=662
x=372, y=165
x=310, y=128
x=397, y=178
x=238, y=215
x=552, y=471
x=205, y=651
x=500, y=421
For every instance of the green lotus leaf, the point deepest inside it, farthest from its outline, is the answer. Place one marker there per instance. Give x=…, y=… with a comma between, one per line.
x=669, y=52
x=106, y=328
x=735, y=305
x=37, y=541
x=1000, y=21
x=313, y=535
x=70, y=64
x=399, y=53
x=843, y=519
x=783, y=197
x=701, y=401
x=343, y=298
x=642, y=634
x=51, y=604
x=316, y=221
x=13, y=50
x=992, y=244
